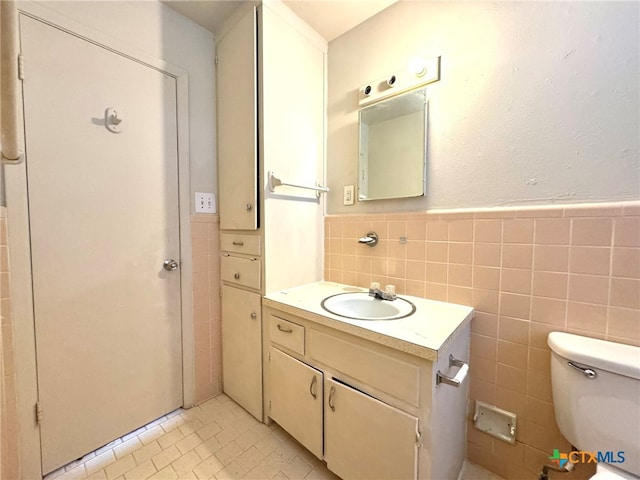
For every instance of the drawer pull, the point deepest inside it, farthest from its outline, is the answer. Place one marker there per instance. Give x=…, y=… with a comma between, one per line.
x=238, y=244
x=331, y=401
x=285, y=330
x=253, y=315
x=312, y=391
x=236, y=276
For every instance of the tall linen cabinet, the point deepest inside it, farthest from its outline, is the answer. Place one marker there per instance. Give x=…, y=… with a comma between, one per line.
x=271, y=118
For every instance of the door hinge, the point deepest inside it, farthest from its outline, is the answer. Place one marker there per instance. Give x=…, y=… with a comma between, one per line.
x=269, y=406
x=38, y=413
x=217, y=60
x=418, y=439
x=20, y=66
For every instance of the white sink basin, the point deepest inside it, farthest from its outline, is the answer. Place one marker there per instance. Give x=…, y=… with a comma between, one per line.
x=362, y=306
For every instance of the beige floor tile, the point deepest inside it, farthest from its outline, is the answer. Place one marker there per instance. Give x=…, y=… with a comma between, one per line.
x=217, y=439
x=151, y=434
x=120, y=467
x=208, y=468
x=208, y=448
x=209, y=430
x=143, y=471
x=188, y=443
x=228, y=435
x=99, y=475
x=165, y=457
x=297, y=469
x=166, y=473
x=99, y=462
x=146, y=452
x=228, y=453
x=186, y=463
x=251, y=458
x=170, y=438
x=127, y=447
x=75, y=473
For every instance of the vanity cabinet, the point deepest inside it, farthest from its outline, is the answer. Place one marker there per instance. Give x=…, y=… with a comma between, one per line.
x=367, y=438
x=382, y=415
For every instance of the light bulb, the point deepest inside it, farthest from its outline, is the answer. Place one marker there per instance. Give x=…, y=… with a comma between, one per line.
x=418, y=66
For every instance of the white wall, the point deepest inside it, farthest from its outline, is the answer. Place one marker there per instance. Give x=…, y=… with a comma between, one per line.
x=159, y=31
x=537, y=103
x=292, y=143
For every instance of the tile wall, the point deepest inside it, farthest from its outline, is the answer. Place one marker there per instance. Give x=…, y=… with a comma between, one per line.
x=205, y=238
x=9, y=455
x=527, y=272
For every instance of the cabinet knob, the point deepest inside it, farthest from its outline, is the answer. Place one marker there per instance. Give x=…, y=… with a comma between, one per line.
x=249, y=207
x=236, y=276
x=253, y=315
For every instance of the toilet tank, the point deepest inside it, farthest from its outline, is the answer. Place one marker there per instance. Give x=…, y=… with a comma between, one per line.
x=601, y=412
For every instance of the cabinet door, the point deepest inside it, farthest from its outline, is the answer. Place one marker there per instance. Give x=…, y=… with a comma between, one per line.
x=366, y=438
x=242, y=348
x=296, y=399
x=237, y=125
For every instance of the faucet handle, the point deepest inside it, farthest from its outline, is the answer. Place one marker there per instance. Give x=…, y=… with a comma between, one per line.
x=390, y=289
x=374, y=286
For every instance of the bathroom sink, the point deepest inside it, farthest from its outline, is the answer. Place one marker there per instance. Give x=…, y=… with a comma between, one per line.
x=362, y=306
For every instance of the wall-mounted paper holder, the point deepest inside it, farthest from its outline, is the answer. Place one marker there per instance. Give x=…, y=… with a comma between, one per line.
x=495, y=421
x=459, y=377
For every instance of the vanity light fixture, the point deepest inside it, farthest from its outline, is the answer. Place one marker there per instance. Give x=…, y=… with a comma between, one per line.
x=418, y=66
x=419, y=72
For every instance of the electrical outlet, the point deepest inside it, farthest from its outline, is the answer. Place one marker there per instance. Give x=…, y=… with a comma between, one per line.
x=205, y=202
x=348, y=194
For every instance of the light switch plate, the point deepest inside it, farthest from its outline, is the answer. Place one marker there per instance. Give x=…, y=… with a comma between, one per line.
x=349, y=194
x=205, y=202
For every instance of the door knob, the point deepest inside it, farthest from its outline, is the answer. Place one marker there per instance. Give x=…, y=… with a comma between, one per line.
x=170, y=265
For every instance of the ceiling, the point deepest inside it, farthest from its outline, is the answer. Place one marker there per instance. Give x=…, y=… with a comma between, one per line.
x=330, y=18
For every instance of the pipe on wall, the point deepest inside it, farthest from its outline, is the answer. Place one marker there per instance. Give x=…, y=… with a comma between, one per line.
x=12, y=153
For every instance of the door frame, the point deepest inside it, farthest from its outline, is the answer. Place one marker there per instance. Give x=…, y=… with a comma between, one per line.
x=20, y=250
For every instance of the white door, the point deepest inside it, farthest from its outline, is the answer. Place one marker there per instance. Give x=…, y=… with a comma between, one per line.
x=296, y=399
x=103, y=209
x=365, y=438
x=238, y=125
x=242, y=348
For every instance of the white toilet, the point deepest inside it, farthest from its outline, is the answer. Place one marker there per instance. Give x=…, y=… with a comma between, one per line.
x=596, y=395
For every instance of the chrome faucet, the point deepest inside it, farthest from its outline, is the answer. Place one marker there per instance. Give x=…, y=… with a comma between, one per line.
x=370, y=239
x=389, y=292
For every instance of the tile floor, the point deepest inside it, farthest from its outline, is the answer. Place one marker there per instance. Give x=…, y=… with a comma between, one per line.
x=215, y=440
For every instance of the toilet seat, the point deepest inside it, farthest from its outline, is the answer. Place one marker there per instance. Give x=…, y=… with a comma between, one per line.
x=604, y=471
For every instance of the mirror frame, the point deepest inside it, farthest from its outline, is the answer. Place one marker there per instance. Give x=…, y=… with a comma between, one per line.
x=363, y=173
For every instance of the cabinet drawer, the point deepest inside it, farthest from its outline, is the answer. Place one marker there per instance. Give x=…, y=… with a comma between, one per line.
x=238, y=243
x=381, y=371
x=241, y=271
x=287, y=334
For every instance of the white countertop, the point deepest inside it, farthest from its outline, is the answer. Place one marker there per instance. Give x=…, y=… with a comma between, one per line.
x=422, y=334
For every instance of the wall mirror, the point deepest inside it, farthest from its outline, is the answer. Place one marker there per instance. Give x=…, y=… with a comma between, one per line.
x=393, y=147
